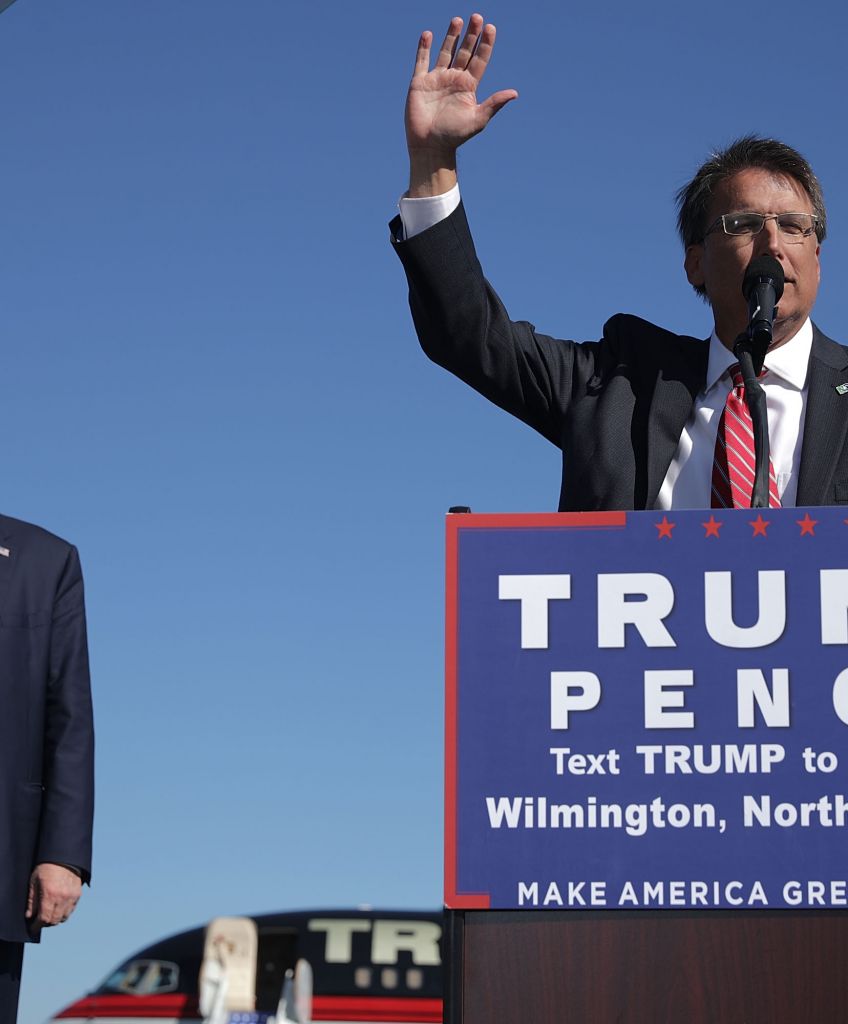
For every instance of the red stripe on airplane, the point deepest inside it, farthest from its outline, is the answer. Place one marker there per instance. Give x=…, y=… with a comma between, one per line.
x=377, y=1008
x=168, y=1005
x=347, y=1008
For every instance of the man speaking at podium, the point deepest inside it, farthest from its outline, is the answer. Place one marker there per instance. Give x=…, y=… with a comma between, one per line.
x=646, y=419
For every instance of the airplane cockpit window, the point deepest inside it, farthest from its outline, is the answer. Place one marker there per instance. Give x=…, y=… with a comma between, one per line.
x=143, y=978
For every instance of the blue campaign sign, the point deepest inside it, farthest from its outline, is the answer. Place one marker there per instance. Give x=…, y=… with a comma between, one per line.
x=647, y=710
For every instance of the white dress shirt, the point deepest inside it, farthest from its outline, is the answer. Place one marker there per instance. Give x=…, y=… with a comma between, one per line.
x=688, y=481
x=419, y=214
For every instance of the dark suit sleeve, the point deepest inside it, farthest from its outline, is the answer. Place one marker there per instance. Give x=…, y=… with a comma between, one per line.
x=462, y=325
x=68, y=774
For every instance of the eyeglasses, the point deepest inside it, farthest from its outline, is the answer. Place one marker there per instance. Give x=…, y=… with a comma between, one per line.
x=794, y=227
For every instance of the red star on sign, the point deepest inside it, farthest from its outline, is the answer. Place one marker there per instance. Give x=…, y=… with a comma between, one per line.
x=712, y=526
x=665, y=528
x=807, y=525
x=760, y=526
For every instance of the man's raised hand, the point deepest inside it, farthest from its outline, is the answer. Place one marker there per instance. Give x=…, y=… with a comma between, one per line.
x=442, y=110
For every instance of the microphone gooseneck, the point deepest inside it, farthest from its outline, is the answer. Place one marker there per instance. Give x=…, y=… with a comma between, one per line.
x=762, y=287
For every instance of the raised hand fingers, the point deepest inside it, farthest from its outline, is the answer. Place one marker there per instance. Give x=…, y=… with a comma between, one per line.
x=422, y=57
x=473, y=55
x=477, y=64
x=449, y=43
x=466, y=51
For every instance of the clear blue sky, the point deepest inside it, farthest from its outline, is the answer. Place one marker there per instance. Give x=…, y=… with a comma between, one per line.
x=211, y=385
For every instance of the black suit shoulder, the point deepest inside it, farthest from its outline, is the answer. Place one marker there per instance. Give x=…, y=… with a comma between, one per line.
x=831, y=352
x=32, y=535
x=38, y=570
x=634, y=330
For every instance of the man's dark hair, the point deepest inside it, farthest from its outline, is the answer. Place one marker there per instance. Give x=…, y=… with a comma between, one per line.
x=693, y=200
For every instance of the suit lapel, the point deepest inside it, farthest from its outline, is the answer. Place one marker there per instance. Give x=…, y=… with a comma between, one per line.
x=680, y=377
x=825, y=423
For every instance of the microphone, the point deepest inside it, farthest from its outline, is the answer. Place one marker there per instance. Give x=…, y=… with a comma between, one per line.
x=762, y=287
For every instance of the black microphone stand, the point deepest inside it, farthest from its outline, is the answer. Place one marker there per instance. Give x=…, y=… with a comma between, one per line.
x=747, y=349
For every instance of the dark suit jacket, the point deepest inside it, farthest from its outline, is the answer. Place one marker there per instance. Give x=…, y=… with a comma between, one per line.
x=616, y=407
x=46, y=731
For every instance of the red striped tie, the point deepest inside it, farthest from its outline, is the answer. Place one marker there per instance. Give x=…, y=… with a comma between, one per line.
x=733, y=464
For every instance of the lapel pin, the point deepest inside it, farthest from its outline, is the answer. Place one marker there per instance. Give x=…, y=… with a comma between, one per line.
x=841, y=389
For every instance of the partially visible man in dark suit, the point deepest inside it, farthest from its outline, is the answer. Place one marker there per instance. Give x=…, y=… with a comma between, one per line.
x=637, y=413
x=46, y=743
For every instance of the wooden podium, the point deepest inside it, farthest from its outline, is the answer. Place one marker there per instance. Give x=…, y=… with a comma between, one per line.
x=766, y=963
x=647, y=967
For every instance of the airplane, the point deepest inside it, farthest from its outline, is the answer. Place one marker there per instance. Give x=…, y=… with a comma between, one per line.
x=373, y=967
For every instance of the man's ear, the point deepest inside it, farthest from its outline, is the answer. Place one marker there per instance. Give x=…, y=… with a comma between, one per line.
x=692, y=264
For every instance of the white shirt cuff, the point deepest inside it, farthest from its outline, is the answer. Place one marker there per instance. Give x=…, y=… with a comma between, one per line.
x=419, y=214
